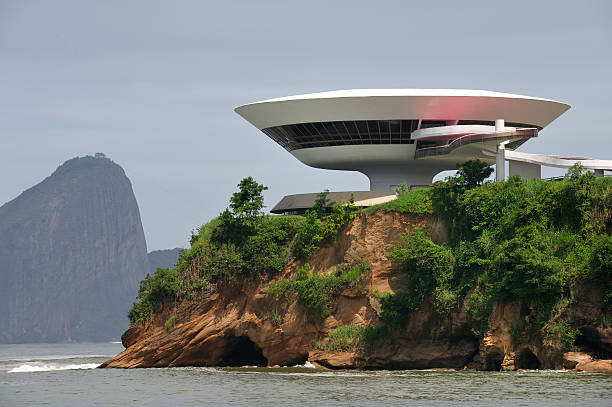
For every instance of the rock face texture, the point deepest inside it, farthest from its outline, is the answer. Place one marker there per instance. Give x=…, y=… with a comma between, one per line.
x=72, y=253
x=241, y=324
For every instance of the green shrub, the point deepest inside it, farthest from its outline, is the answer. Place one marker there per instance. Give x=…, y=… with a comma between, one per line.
x=217, y=256
x=562, y=332
x=529, y=240
x=427, y=269
x=141, y=311
x=344, y=338
x=309, y=235
x=396, y=309
x=314, y=290
x=319, y=227
x=478, y=307
x=600, y=267
x=281, y=288
x=152, y=291
x=341, y=214
x=415, y=202
x=516, y=332
x=170, y=322
x=352, y=338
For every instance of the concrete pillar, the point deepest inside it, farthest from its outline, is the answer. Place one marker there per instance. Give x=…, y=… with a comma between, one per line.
x=499, y=125
x=500, y=163
x=525, y=170
x=387, y=178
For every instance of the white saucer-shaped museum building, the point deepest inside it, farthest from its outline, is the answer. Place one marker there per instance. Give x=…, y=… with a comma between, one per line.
x=396, y=136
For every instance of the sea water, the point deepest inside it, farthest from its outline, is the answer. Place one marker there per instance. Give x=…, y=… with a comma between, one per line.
x=65, y=375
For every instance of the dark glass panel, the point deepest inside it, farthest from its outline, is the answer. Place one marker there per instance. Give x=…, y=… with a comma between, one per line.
x=329, y=127
x=320, y=129
x=394, y=126
x=373, y=127
x=426, y=124
x=311, y=129
x=298, y=130
x=406, y=127
x=350, y=126
x=362, y=126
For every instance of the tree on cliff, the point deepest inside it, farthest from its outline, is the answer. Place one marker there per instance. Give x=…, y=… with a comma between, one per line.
x=248, y=202
x=246, y=208
x=472, y=173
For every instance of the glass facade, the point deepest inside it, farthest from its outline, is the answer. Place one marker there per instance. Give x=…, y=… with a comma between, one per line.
x=354, y=132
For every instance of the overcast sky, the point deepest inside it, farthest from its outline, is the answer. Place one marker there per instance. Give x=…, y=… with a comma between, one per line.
x=154, y=84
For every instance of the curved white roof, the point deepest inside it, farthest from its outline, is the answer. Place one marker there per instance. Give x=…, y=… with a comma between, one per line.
x=392, y=104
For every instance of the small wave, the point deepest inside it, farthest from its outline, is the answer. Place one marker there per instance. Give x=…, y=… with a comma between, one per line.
x=307, y=364
x=116, y=342
x=26, y=368
x=53, y=357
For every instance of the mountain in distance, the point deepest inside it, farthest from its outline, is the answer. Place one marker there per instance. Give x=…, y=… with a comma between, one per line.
x=163, y=258
x=72, y=253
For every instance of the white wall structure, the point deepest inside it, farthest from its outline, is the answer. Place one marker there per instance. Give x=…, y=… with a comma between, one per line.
x=528, y=165
x=525, y=170
x=399, y=136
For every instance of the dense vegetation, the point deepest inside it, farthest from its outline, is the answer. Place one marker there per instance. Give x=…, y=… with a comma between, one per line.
x=526, y=240
x=322, y=224
x=241, y=243
x=531, y=241
x=352, y=338
x=415, y=202
x=153, y=289
x=315, y=290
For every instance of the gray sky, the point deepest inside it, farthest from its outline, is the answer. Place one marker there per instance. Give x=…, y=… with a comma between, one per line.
x=154, y=84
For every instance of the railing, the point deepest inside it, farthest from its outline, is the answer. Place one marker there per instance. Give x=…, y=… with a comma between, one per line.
x=562, y=177
x=517, y=135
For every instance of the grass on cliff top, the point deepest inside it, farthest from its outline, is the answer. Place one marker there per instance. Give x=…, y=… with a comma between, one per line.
x=416, y=202
x=241, y=243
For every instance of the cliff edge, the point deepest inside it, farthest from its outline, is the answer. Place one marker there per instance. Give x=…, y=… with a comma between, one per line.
x=242, y=323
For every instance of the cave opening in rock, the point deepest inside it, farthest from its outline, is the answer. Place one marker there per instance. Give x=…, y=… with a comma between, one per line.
x=241, y=351
x=494, y=359
x=593, y=341
x=526, y=360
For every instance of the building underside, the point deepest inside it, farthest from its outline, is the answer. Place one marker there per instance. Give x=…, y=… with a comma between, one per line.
x=407, y=136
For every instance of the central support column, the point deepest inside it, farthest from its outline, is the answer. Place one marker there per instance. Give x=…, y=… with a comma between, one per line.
x=387, y=178
x=500, y=162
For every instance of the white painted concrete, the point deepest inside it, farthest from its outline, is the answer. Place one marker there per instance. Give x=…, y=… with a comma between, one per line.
x=394, y=104
x=386, y=165
x=559, y=162
x=499, y=125
x=456, y=130
x=389, y=165
x=525, y=170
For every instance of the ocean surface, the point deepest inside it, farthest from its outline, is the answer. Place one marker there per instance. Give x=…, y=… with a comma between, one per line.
x=65, y=375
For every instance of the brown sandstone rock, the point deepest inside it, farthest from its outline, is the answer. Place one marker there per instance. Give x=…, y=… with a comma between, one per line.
x=581, y=362
x=239, y=324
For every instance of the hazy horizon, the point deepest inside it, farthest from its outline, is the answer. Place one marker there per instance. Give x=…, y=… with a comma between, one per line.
x=153, y=85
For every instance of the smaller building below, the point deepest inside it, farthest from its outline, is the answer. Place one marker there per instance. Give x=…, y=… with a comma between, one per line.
x=298, y=204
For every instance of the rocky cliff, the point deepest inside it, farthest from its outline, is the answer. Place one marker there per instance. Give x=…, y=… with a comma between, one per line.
x=72, y=253
x=241, y=323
